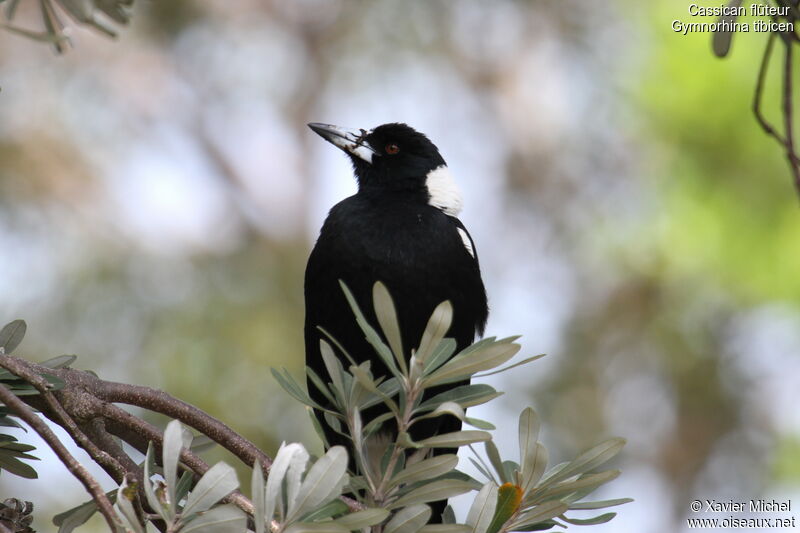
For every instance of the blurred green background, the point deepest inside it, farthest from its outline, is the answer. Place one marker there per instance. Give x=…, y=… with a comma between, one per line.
x=159, y=196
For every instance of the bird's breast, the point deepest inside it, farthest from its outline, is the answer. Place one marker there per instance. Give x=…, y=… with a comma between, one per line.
x=400, y=236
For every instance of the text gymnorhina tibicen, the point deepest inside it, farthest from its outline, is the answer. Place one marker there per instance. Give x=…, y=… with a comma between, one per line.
x=400, y=228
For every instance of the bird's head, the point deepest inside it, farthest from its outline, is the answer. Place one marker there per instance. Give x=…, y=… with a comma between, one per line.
x=396, y=157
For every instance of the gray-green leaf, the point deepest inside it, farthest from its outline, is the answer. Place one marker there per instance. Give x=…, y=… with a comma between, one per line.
x=290, y=386
x=335, y=370
x=482, y=510
x=330, y=509
x=589, y=459
x=599, y=519
x=541, y=513
x=361, y=519
x=149, y=492
x=600, y=504
x=461, y=366
x=221, y=519
x=409, y=520
x=12, y=334
x=10, y=463
x=532, y=455
x=218, y=482
x=330, y=526
x=478, y=423
x=435, y=330
x=585, y=482
x=176, y=437
x=387, y=318
x=437, y=490
x=497, y=462
x=383, y=351
x=465, y=396
x=289, y=455
x=445, y=528
x=77, y=516
x=257, y=495
x=323, y=482
x=427, y=469
x=61, y=361
x=454, y=439
x=446, y=408
x=442, y=352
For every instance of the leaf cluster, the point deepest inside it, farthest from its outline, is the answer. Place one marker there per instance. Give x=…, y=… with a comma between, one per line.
x=100, y=15
x=11, y=451
x=182, y=504
x=403, y=476
x=403, y=473
x=393, y=479
x=524, y=496
x=300, y=496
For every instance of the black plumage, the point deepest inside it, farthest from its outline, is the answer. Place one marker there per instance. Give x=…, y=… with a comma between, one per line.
x=400, y=228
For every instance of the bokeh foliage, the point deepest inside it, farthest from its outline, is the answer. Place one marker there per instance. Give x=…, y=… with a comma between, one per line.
x=628, y=210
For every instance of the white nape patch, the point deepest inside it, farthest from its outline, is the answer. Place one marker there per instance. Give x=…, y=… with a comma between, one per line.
x=443, y=191
x=467, y=242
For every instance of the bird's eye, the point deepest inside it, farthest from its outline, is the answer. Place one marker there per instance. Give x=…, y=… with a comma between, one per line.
x=392, y=148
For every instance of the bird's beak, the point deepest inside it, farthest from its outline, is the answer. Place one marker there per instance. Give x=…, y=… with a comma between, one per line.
x=353, y=141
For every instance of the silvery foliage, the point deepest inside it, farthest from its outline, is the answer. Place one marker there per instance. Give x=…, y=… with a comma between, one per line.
x=100, y=15
x=302, y=497
x=524, y=495
x=392, y=484
x=12, y=452
x=182, y=507
x=402, y=476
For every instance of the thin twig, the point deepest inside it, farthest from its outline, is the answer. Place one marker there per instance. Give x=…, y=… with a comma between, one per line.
x=762, y=74
x=138, y=433
x=787, y=140
x=96, y=431
x=788, y=115
x=77, y=469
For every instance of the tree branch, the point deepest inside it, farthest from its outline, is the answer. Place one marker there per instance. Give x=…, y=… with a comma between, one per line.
x=97, y=433
x=139, y=433
x=161, y=402
x=85, y=396
x=77, y=469
x=87, y=400
x=84, y=406
x=111, y=466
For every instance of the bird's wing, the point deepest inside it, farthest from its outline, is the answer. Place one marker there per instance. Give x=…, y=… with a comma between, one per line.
x=466, y=238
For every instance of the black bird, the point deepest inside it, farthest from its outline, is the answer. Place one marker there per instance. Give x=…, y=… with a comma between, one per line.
x=400, y=228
